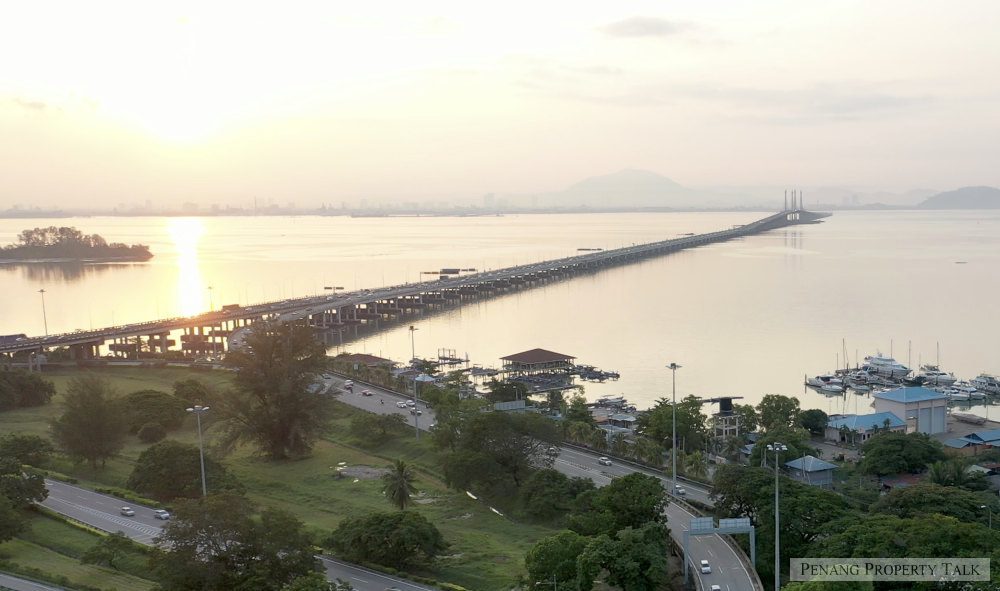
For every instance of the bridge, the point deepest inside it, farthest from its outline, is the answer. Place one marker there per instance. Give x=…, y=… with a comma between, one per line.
x=216, y=331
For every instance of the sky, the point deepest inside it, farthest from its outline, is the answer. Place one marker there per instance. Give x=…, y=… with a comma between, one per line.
x=107, y=102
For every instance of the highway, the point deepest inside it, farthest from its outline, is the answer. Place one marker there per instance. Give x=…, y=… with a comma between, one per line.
x=728, y=571
x=12, y=583
x=103, y=512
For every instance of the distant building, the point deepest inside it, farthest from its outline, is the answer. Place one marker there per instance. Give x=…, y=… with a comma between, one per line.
x=537, y=360
x=923, y=410
x=364, y=359
x=625, y=421
x=973, y=443
x=862, y=426
x=812, y=471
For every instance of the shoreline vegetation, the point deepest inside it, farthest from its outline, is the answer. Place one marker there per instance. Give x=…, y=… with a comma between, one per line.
x=69, y=245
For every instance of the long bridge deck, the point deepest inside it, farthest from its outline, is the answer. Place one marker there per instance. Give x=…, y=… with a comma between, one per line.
x=210, y=331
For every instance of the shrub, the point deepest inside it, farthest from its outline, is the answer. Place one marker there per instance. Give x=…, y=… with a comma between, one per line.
x=151, y=433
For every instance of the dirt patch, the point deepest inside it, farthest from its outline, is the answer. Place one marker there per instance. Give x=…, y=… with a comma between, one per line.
x=363, y=472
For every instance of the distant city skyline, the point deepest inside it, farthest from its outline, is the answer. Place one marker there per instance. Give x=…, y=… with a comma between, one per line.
x=109, y=102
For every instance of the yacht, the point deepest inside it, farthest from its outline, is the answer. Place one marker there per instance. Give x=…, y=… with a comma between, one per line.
x=825, y=380
x=885, y=366
x=986, y=383
x=934, y=376
x=831, y=388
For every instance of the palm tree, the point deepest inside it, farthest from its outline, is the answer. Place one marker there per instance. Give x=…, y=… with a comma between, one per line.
x=397, y=484
x=694, y=465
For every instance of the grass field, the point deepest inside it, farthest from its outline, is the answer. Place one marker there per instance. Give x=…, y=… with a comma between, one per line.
x=55, y=548
x=486, y=551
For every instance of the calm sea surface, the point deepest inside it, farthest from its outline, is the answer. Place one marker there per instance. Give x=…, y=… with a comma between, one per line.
x=743, y=318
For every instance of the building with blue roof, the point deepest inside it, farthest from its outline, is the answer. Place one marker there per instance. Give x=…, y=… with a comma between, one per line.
x=811, y=470
x=922, y=409
x=859, y=428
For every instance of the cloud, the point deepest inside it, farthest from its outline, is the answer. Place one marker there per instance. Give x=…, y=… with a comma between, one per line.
x=644, y=26
x=30, y=104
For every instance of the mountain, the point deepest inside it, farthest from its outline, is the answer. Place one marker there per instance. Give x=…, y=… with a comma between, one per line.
x=626, y=188
x=965, y=198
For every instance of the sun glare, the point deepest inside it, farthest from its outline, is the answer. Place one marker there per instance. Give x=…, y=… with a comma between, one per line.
x=186, y=232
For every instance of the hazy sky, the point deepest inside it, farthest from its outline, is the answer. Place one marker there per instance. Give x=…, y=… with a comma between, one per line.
x=106, y=102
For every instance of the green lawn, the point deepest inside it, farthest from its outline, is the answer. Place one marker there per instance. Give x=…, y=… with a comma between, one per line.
x=55, y=548
x=486, y=551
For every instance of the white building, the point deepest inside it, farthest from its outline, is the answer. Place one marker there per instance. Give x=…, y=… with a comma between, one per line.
x=923, y=410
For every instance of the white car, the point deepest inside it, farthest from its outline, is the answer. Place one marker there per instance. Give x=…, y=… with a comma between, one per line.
x=401, y=404
x=715, y=588
x=705, y=568
x=128, y=511
x=411, y=403
x=604, y=461
x=679, y=490
x=161, y=514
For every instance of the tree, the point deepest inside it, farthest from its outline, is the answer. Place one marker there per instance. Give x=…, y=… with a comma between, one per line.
x=193, y=391
x=152, y=406
x=925, y=498
x=151, y=433
x=397, y=484
x=795, y=439
x=393, y=539
x=505, y=391
x=108, y=550
x=21, y=389
x=747, y=417
x=813, y=420
x=272, y=406
x=549, y=494
x=27, y=449
x=92, y=427
x=374, y=429
x=895, y=453
x=578, y=411
x=555, y=557
x=316, y=582
x=629, y=501
x=695, y=466
x=215, y=543
x=171, y=469
x=635, y=558
x=657, y=423
x=12, y=521
x=775, y=410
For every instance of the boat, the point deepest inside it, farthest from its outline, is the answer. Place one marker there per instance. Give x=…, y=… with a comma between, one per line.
x=832, y=388
x=859, y=387
x=987, y=383
x=824, y=380
x=970, y=418
x=972, y=391
x=933, y=375
x=885, y=366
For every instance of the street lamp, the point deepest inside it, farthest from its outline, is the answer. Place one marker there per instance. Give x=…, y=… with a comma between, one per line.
x=211, y=300
x=198, y=410
x=777, y=448
x=673, y=367
x=45, y=317
x=413, y=349
x=991, y=513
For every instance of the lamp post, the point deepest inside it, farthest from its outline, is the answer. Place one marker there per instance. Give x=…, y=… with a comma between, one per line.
x=198, y=410
x=413, y=349
x=673, y=435
x=988, y=508
x=777, y=448
x=45, y=317
x=211, y=300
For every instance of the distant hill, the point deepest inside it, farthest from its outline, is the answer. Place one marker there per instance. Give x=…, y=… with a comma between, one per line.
x=626, y=188
x=965, y=198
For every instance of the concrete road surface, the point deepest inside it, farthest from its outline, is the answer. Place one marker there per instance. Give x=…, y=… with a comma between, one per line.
x=103, y=512
x=12, y=583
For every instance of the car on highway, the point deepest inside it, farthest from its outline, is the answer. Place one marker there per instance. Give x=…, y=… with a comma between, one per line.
x=679, y=490
x=161, y=514
x=705, y=568
x=411, y=403
x=401, y=404
x=416, y=411
x=716, y=588
x=348, y=384
x=552, y=451
x=604, y=461
x=366, y=392
x=127, y=511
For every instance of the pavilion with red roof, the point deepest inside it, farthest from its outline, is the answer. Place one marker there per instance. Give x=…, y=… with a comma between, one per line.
x=537, y=360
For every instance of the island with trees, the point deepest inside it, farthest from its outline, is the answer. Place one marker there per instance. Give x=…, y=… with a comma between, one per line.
x=69, y=245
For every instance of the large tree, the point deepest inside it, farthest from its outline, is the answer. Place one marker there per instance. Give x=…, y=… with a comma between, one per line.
x=692, y=431
x=549, y=494
x=813, y=420
x=172, y=469
x=26, y=448
x=18, y=490
x=895, y=453
x=629, y=501
x=19, y=389
x=925, y=498
x=152, y=406
x=92, y=428
x=394, y=539
x=216, y=543
x=776, y=410
x=795, y=439
x=553, y=559
x=272, y=406
x=634, y=558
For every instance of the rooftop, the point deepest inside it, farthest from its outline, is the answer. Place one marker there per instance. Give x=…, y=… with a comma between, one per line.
x=537, y=356
x=984, y=436
x=866, y=422
x=915, y=394
x=810, y=464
